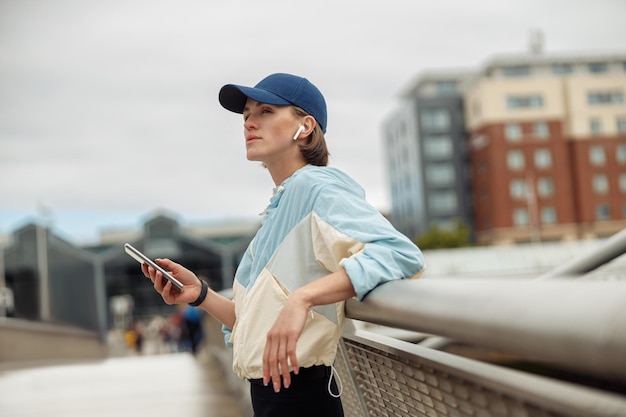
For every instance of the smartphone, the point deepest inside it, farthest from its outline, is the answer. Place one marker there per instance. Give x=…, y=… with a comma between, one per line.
x=143, y=259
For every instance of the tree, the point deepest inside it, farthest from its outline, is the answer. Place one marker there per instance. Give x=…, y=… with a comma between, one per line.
x=442, y=238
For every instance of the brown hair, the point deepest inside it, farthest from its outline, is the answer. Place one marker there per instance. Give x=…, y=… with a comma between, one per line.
x=313, y=148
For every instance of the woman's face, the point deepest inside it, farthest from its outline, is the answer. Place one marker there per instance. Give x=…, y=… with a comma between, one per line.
x=269, y=131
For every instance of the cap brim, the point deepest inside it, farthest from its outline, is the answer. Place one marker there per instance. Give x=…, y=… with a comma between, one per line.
x=233, y=97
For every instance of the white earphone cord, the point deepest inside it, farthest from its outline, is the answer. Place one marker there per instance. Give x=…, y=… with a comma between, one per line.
x=333, y=371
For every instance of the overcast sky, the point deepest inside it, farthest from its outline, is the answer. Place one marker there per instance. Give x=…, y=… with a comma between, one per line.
x=109, y=111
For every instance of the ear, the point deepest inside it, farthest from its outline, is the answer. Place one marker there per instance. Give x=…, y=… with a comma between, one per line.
x=309, y=124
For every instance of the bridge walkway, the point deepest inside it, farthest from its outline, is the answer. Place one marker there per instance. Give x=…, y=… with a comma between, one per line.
x=167, y=385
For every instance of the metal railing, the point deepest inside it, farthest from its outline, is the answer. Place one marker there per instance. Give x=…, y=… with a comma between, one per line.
x=522, y=347
x=387, y=377
x=578, y=327
x=572, y=327
x=612, y=248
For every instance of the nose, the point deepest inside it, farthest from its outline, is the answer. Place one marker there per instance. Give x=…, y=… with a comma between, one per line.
x=249, y=123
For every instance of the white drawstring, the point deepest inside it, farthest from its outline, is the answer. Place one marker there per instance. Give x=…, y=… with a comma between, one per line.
x=333, y=371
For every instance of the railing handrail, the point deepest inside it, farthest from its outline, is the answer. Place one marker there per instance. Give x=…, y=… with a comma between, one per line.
x=612, y=248
x=577, y=325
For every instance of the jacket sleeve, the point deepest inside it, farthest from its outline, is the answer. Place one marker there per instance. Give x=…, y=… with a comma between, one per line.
x=361, y=240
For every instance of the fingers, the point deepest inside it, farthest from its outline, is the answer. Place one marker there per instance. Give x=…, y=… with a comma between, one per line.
x=167, y=290
x=150, y=273
x=157, y=280
x=270, y=364
x=282, y=364
x=167, y=264
x=291, y=354
x=280, y=345
x=278, y=354
x=273, y=363
x=155, y=276
x=144, y=269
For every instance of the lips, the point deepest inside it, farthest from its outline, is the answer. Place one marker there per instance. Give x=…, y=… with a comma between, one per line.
x=251, y=138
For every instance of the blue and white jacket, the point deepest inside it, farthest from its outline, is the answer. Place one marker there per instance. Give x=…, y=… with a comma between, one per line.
x=317, y=222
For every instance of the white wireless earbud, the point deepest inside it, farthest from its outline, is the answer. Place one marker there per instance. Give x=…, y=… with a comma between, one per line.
x=300, y=129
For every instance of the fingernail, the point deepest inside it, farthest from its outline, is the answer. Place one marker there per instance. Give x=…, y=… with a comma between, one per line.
x=276, y=388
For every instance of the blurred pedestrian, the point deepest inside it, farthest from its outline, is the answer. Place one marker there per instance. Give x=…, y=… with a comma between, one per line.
x=194, y=333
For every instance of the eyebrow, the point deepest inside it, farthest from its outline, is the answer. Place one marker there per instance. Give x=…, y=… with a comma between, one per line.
x=247, y=108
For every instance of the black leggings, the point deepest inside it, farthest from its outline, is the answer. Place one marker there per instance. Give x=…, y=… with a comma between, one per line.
x=307, y=396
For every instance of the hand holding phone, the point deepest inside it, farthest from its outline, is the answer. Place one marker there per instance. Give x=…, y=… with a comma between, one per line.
x=143, y=259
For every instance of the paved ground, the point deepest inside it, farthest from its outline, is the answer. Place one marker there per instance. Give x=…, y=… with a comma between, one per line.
x=157, y=385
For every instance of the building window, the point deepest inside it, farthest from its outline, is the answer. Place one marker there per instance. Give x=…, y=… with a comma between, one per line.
x=446, y=87
x=598, y=67
x=605, y=97
x=515, y=160
x=548, y=215
x=541, y=130
x=600, y=184
x=620, y=153
x=543, y=158
x=595, y=127
x=479, y=141
x=561, y=69
x=435, y=119
x=524, y=102
x=603, y=212
x=517, y=189
x=621, y=124
x=438, y=147
x=520, y=217
x=512, y=131
x=443, y=202
x=597, y=156
x=440, y=174
x=545, y=187
x=516, y=71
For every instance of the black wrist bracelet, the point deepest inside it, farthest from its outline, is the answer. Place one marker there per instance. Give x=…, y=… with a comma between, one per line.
x=202, y=296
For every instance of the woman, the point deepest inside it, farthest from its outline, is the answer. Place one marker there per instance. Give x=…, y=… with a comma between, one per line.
x=319, y=244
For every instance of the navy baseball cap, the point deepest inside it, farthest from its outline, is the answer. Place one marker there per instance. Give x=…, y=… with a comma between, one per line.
x=278, y=89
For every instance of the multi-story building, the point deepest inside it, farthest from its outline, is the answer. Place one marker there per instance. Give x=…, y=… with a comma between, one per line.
x=548, y=147
x=427, y=155
x=50, y=279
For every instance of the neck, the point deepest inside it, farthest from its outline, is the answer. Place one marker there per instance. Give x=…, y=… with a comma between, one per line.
x=281, y=172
